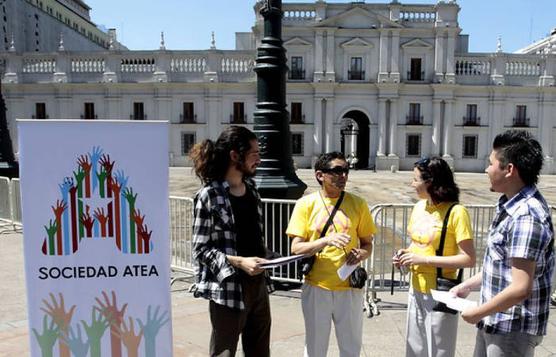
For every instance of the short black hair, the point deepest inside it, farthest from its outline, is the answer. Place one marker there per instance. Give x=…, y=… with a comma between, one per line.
x=521, y=149
x=323, y=161
x=437, y=172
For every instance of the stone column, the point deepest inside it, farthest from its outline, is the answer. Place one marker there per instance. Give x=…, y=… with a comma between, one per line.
x=214, y=115
x=436, y=121
x=317, y=133
x=395, y=70
x=319, y=54
x=546, y=107
x=450, y=59
x=329, y=125
x=448, y=129
x=439, y=57
x=383, y=57
x=330, y=55
x=392, y=152
x=381, y=127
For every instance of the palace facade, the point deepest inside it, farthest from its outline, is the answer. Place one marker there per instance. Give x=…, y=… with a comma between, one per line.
x=384, y=83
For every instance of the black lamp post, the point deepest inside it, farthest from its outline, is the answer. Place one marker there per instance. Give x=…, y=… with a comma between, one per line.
x=8, y=166
x=276, y=177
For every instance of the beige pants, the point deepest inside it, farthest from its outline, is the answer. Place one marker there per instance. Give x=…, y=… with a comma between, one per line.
x=321, y=307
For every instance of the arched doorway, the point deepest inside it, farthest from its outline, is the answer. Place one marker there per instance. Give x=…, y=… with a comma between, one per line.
x=355, y=138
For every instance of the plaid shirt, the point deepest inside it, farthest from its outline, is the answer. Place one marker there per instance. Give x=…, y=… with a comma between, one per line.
x=522, y=228
x=214, y=237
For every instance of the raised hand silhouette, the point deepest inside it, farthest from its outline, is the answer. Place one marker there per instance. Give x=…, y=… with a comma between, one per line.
x=51, y=230
x=115, y=187
x=151, y=328
x=79, y=176
x=129, y=338
x=95, y=154
x=59, y=209
x=138, y=218
x=77, y=346
x=61, y=317
x=130, y=197
x=107, y=164
x=145, y=236
x=95, y=331
x=83, y=161
x=102, y=218
x=122, y=179
x=101, y=175
x=115, y=316
x=88, y=222
x=48, y=337
x=66, y=186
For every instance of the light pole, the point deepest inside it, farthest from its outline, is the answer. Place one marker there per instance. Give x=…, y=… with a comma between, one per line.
x=276, y=176
x=8, y=166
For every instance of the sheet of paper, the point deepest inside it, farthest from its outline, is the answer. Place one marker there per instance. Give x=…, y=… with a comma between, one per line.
x=345, y=270
x=453, y=302
x=273, y=263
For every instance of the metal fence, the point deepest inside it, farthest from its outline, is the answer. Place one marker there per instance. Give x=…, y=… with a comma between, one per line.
x=16, y=205
x=181, y=237
x=5, y=206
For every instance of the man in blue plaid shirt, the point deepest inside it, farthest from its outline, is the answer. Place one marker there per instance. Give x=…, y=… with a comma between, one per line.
x=228, y=244
x=519, y=258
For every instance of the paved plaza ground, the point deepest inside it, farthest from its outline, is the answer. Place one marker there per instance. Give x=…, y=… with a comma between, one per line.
x=383, y=334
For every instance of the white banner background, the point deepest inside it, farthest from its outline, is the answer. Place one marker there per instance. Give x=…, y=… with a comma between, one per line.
x=49, y=153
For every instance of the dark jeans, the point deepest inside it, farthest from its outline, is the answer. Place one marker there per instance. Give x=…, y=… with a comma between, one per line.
x=253, y=323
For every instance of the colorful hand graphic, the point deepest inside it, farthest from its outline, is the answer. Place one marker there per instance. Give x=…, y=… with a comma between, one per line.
x=145, y=237
x=61, y=317
x=66, y=186
x=77, y=346
x=138, y=218
x=95, y=154
x=130, y=339
x=151, y=328
x=115, y=317
x=59, y=209
x=48, y=338
x=130, y=197
x=88, y=222
x=107, y=164
x=51, y=229
x=102, y=218
x=95, y=331
x=122, y=179
x=83, y=161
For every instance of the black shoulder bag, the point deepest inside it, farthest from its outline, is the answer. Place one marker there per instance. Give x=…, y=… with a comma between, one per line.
x=445, y=284
x=305, y=265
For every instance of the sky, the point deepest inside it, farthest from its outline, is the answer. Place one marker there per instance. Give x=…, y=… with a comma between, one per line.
x=187, y=24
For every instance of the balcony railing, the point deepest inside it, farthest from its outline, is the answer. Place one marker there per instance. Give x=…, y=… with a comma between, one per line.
x=83, y=116
x=415, y=76
x=414, y=120
x=40, y=116
x=521, y=122
x=298, y=120
x=356, y=75
x=188, y=119
x=138, y=117
x=237, y=119
x=297, y=74
x=471, y=121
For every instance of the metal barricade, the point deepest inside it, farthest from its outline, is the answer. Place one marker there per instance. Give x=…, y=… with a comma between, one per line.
x=392, y=221
x=181, y=237
x=16, y=205
x=6, y=223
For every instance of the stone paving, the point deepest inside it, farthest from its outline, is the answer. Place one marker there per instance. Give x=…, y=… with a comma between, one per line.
x=383, y=334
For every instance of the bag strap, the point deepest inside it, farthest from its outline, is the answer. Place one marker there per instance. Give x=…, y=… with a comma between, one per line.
x=440, y=251
x=331, y=216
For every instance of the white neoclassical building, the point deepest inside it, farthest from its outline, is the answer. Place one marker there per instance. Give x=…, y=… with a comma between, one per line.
x=384, y=83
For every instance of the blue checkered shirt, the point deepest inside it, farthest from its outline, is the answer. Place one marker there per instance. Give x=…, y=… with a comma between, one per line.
x=522, y=228
x=214, y=237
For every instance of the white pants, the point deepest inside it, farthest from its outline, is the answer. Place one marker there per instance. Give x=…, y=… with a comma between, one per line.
x=321, y=307
x=429, y=333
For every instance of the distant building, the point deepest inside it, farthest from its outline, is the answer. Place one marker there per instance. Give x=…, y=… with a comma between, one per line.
x=385, y=83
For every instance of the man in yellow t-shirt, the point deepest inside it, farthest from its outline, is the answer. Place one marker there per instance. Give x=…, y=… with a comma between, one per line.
x=325, y=296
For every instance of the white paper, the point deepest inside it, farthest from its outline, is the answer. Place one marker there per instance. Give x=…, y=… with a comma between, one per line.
x=273, y=263
x=345, y=270
x=453, y=302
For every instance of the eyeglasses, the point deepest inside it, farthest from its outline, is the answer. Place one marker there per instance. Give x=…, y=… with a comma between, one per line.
x=337, y=170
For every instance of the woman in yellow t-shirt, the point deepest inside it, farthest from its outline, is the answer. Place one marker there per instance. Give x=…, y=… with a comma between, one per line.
x=433, y=333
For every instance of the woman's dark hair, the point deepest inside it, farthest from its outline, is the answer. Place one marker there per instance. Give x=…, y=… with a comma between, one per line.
x=211, y=159
x=520, y=148
x=436, y=172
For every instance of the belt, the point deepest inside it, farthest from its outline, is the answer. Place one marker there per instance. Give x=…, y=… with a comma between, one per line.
x=486, y=328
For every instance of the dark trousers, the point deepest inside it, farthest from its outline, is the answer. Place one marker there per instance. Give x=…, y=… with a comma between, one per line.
x=253, y=323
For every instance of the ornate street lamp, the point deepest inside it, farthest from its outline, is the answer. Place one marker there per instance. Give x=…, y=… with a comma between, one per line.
x=276, y=177
x=8, y=166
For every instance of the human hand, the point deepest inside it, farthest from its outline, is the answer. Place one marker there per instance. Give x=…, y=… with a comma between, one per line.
x=57, y=311
x=338, y=240
x=49, y=335
x=97, y=327
x=408, y=258
x=471, y=315
x=251, y=265
x=130, y=340
x=95, y=154
x=77, y=346
x=107, y=164
x=356, y=255
x=122, y=179
x=396, y=258
x=460, y=290
x=110, y=309
x=83, y=161
x=154, y=322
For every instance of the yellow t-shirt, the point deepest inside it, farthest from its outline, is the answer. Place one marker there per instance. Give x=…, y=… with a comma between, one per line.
x=425, y=226
x=308, y=219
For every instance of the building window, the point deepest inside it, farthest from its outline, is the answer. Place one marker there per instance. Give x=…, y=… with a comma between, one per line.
x=138, y=111
x=413, y=145
x=470, y=143
x=296, y=70
x=89, y=111
x=188, y=115
x=297, y=113
x=239, y=116
x=40, y=111
x=187, y=142
x=356, y=69
x=471, y=118
x=297, y=144
x=414, y=117
x=415, y=72
x=521, y=119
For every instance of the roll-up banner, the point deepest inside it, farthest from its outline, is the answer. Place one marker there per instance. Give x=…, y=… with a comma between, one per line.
x=95, y=225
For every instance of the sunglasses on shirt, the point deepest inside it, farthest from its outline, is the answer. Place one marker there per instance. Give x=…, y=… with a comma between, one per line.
x=337, y=170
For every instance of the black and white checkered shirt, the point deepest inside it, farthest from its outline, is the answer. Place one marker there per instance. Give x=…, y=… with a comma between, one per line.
x=214, y=237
